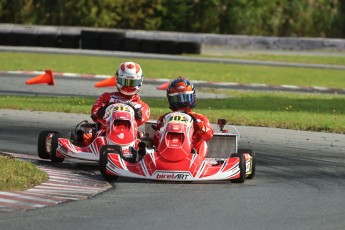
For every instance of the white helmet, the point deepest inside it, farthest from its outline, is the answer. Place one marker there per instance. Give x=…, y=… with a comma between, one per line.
x=129, y=78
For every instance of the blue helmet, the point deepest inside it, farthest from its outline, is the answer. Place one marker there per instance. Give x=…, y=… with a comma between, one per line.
x=181, y=94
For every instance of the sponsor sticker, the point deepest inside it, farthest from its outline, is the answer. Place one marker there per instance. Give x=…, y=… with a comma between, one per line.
x=171, y=175
x=121, y=135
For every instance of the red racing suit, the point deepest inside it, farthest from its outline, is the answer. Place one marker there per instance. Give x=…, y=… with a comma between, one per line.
x=203, y=132
x=116, y=97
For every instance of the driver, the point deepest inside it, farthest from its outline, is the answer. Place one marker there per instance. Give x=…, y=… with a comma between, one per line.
x=129, y=78
x=181, y=97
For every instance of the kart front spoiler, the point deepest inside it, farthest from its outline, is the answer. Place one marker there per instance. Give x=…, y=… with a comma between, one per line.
x=197, y=170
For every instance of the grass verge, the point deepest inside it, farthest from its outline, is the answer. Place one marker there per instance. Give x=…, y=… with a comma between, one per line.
x=293, y=57
x=19, y=175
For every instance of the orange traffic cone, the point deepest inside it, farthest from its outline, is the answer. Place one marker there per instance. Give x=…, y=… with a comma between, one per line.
x=47, y=78
x=163, y=86
x=107, y=82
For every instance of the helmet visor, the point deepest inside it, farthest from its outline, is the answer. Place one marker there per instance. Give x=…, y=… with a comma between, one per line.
x=129, y=82
x=181, y=98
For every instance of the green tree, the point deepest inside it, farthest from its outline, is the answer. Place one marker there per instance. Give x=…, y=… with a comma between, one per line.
x=309, y=18
x=15, y=11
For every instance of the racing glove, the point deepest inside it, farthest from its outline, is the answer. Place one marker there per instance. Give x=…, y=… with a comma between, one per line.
x=138, y=114
x=199, y=126
x=101, y=112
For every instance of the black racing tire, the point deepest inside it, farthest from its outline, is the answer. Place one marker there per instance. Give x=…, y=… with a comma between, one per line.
x=150, y=46
x=4, y=32
x=42, y=144
x=242, y=166
x=47, y=40
x=131, y=45
x=111, y=40
x=69, y=40
x=25, y=36
x=103, y=160
x=253, y=162
x=90, y=39
x=168, y=47
x=189, y=47
x=54, y=145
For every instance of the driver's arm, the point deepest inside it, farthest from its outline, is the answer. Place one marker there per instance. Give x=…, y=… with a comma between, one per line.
x=101, y=102
x=203, y=127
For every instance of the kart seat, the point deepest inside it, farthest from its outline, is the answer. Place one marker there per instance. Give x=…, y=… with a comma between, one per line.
x=122, y=124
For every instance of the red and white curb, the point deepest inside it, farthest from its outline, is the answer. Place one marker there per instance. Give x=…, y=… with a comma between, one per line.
x=229, y=85
x=62, y=185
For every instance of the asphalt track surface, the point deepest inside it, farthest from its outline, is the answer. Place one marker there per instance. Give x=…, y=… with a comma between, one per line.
x=299, y=182
x=14, y=84
x=71, y=84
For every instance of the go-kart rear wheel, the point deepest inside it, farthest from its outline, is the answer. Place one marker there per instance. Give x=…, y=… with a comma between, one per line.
x=242, y=166
x=54, y=146
x=42, y=150
x=103, y=160
x=252, y=163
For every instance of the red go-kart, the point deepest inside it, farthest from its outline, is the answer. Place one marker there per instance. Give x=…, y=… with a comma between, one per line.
x=174, y=159
x=121, y=130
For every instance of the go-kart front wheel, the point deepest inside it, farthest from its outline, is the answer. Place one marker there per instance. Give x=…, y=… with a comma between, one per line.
x=242, y=166
x=103, y=160
x=54, y=146
x=44, y=144
x=252, y=162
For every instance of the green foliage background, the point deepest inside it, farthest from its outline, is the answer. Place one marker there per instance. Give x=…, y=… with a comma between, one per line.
x=307, y=18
